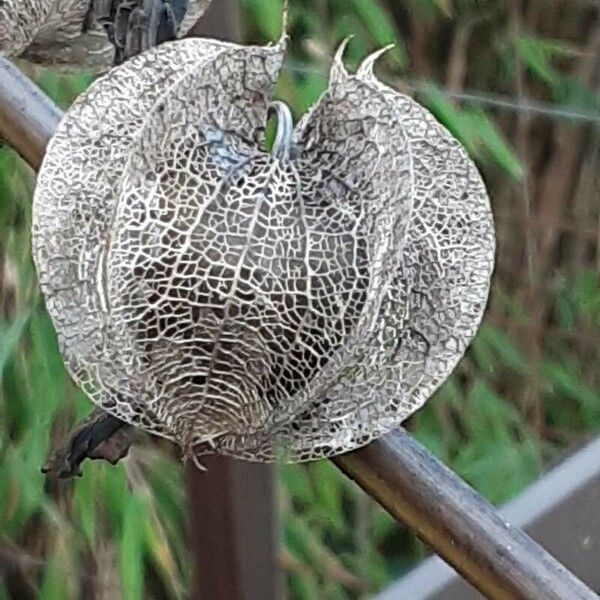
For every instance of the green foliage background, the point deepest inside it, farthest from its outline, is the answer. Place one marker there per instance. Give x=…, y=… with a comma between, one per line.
x=518, y=84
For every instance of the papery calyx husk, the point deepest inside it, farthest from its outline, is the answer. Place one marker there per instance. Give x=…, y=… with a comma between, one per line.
x=244, y=301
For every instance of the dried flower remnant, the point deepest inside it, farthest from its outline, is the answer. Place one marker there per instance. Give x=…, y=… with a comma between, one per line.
x=91, y=34
x=243, y=301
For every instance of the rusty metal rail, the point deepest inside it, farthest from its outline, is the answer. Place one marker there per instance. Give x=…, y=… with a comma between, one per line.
x=499, y=560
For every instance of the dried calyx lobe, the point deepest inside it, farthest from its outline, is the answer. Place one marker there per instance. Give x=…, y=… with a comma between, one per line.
x=240, y=301
x=258, y=267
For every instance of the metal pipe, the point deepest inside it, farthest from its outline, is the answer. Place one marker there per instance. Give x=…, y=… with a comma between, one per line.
x=500, y=560
x=413, y=486
x=28, y=117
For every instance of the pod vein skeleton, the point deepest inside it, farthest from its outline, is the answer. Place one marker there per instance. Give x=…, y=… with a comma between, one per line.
x=246, y=302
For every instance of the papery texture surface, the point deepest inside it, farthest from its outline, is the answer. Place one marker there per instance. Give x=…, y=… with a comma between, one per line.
x=248, y=302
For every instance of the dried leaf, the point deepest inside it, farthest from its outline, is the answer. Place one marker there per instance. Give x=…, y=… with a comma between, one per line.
x=99, y=437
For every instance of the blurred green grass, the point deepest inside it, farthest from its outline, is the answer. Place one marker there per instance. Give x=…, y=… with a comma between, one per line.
x=513, y=406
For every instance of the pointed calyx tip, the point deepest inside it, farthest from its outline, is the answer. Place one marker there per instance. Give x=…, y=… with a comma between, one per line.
x=367, y=66
x=338, y=67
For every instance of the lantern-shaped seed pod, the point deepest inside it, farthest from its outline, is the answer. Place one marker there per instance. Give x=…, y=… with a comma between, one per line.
x=301, y=300
x=92, y=34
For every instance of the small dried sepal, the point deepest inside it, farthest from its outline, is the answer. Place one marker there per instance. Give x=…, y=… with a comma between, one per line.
x=100, y=436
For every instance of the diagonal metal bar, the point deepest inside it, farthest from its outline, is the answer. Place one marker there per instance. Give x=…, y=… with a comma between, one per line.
x=561, y=510
x=501, y=561
x=28, y=117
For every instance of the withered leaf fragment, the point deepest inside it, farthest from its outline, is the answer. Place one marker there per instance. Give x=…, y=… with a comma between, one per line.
x=100, y=436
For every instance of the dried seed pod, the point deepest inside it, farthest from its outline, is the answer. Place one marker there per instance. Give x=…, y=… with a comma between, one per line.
x=91, y=34
x=244, y=301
